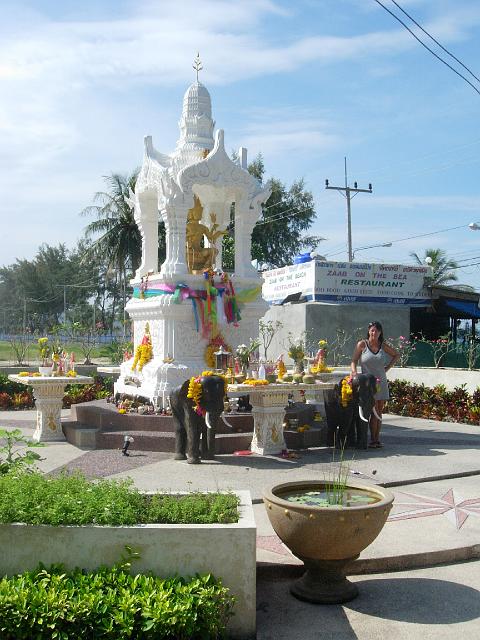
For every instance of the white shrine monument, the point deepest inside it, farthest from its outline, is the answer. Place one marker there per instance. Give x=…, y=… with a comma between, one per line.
x=188, y=305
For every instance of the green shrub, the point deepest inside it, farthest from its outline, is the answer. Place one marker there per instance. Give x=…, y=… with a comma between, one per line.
x=34, y=498
x=115, y=351
x=194, y=508
x=55, y=604
x=18, y=396
x=15, y=454
x=7, y=386
x=437, y=403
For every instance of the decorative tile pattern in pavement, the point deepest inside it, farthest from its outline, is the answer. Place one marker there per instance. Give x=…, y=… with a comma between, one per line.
x=451, y=504
x=273, y=544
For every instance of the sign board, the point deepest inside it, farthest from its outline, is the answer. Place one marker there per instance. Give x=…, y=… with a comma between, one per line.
x=347, y=282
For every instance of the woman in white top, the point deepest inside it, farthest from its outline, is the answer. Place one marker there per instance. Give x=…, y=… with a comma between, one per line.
x=373, y=354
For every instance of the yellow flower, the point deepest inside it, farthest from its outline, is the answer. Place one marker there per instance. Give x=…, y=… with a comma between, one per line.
x=347, y=391
x=122, y=411
x=256, y=383
x=213, y=346
x=71, y=374
x=143, y=352
x=195, y=388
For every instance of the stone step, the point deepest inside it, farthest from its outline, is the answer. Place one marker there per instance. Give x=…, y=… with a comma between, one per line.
x=98, y=425
x=104, y=416
x=148, y=441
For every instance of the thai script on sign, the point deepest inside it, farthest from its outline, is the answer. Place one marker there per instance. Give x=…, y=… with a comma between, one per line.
x=349, y=282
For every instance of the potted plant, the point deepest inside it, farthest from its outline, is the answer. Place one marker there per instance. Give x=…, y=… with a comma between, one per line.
x=45, y=352
x=296, y=351
x=243, y=354
x=327, y=524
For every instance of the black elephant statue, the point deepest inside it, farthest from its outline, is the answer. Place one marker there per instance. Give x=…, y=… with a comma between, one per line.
x=347, y=426
x=195, y=430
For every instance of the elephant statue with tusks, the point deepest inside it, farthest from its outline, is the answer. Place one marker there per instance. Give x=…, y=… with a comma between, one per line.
x=195, y=432
x=348, y=425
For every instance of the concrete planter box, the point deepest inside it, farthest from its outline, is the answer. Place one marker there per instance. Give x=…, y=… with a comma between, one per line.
x=225, y=550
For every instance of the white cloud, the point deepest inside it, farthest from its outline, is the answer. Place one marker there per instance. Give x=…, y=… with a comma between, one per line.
x=74, y=103
x=287, y=131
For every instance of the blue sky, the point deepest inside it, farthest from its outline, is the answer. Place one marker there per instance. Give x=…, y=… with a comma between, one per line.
x=305, y=83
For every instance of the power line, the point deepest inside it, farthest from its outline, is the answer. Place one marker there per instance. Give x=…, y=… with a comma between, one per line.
x=421, y=235
x=427, y=47
x=431, y=233
x=280, y=216
x=383, y=170
x=436, y=41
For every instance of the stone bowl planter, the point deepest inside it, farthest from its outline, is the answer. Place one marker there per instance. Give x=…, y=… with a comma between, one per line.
x=327, y=539
x=225, y=550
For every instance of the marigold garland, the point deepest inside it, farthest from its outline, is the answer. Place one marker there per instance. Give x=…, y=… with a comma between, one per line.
x=346, y=391
x=214, y=345
x=195, y=389
x=256, y=382
x=321, y=367
x=144, y=351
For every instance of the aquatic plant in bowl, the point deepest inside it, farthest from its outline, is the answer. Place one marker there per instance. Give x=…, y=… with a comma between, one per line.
x=327, y=524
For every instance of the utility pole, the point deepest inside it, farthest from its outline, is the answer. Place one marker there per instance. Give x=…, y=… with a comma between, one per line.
x=348, y=195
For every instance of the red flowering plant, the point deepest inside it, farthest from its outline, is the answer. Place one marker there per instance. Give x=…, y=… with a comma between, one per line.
x=437, y=403
x=440, y=347
x=404, y=347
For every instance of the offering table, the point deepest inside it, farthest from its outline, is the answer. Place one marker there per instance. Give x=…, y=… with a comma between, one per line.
x=268, y=410
x=48, y=392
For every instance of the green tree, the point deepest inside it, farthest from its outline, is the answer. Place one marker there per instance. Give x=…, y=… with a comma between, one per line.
x=117, y=238
x=115, y=232
x=32, y=291
x=279, y=234
x=443, y=267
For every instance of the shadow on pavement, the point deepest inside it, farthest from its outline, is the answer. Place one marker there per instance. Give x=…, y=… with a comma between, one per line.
x=381, y=610
x=417, y=600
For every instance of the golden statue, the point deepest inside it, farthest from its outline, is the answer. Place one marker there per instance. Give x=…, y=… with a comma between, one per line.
x=200, y=257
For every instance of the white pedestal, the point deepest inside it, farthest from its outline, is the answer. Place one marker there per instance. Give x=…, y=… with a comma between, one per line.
x=48, y=393
x=268, y=410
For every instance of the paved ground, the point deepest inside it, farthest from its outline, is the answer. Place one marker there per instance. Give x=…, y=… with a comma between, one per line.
x=440, y=603
x=434, y=471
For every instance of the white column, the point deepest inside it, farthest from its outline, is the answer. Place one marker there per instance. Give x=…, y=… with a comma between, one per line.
x=245, y=219
x=146, y=217
x=268, y=430
x=268, y=409
x=175, y=228
x=48, y=402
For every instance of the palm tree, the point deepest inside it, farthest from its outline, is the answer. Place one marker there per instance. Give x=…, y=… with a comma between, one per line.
x=119, y=238
x=443, y=267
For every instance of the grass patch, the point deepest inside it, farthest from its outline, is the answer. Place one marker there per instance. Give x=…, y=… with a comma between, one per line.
x=33, y=498
x=7, y=354
x=55, y=604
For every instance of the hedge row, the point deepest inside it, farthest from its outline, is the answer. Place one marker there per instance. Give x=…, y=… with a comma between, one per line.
x=55, y=604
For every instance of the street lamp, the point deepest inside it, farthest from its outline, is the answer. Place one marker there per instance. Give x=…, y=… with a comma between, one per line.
x=373, y=246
